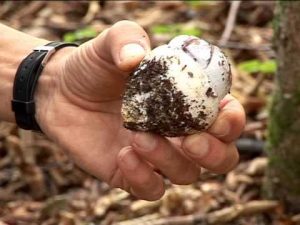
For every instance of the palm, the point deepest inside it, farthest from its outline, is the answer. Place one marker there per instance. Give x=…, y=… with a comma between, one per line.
x=93, y=138
x=91, y=129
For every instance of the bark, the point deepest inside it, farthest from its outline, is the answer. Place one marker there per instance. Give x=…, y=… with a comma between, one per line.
x=284, y=125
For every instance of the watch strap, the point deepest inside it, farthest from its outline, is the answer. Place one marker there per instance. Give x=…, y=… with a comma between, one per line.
x=26, y=79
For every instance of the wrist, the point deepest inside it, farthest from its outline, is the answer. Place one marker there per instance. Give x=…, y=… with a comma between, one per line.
x=48, y=86
x=11, y=57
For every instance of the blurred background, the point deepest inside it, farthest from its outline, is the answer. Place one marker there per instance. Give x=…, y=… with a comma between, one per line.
x=38, y=183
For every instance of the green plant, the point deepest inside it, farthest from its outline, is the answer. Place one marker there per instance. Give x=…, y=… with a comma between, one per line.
x=257, y=66
x=193, y=3
x=198, y=3
x=81, y=34
x=176, y=29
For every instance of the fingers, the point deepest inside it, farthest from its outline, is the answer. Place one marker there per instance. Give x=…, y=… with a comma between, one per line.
x=144, y=182
x=210, y=153
x=230, y=122
x=214, y=150
x=124, y=44
x=164, y=156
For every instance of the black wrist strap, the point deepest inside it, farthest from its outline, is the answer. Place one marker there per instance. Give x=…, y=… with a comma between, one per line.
x=25, y=84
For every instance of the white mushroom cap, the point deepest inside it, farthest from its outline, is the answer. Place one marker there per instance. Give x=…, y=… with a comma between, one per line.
x=210, y=58
x=200, y=76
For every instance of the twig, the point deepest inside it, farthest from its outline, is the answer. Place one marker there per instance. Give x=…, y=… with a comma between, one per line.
x=257, y=166
x=6, y=8
x=295, y=219
x=234, y=6
x=8, y=194
x=6, y=129
x=145, y=220
x=105, y=202
x=141, y=205
x=5, y=161
x=33, y=175
x=259, y=81
x=30, y=9
x=244, y=46
x=217, y=217
x=94, y=8
x=268, y=48
x=231, y=213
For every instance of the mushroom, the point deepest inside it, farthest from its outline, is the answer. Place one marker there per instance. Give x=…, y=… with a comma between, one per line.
x=177, y=88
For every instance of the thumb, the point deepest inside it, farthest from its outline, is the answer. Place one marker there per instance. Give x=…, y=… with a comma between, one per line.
x=96, y=70
x=125, y=44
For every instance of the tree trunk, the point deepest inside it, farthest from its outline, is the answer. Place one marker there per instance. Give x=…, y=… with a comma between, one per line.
x=284, y=124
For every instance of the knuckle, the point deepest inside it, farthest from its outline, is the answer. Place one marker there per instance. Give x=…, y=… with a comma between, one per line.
x=235, y=160
x=145, y=181
x=191, y=176
x=219, y=170
x=149, y=194
x=156, y=194
x=228, y=168
x=237, y=118
x=183, y=180
x=229, y=161
x=114, y=180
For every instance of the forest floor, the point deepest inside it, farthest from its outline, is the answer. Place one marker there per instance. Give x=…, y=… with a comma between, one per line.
x=39, y=185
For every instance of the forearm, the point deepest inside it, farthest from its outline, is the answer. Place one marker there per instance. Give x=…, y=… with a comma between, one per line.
x=14, y=46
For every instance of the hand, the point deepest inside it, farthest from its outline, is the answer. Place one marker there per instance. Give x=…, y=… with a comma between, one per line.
x=78, y=106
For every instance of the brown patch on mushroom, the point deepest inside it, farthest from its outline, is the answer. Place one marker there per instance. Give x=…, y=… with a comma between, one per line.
x=167, y=111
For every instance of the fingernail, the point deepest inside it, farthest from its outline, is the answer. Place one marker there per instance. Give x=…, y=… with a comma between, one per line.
x=145, y=141
x=130, y=160
x=132, y=50
x=197, y=146
x=220, y=128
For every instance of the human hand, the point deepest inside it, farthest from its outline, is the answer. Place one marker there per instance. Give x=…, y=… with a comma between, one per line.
x=78, y=106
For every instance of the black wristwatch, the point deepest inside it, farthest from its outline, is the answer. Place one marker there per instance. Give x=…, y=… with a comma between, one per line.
x=26, y=78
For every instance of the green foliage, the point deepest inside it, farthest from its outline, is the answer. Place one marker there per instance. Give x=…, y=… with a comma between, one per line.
x=176, y=29
x=81, y=34
x=193, y=3
x=198, y=3
x=257, y=66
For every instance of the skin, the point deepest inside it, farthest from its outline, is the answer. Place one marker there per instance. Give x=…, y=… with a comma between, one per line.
x=78, y=102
